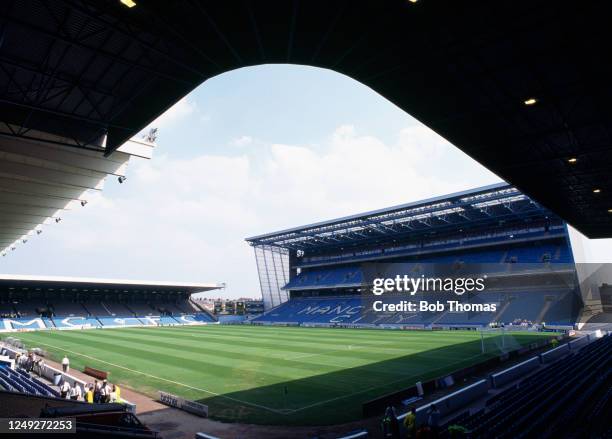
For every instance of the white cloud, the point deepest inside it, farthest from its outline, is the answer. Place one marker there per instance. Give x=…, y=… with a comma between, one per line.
x=354, y=172
x=242, y=141
x=186, y=219
x=175, y=114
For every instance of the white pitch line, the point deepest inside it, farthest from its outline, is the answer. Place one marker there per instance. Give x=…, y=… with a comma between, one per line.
x=355, y=347
x=281, y=412
x=348, y=348
x=319, y=354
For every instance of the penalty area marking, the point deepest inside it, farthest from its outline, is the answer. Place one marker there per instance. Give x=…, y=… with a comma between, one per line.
x=280, y=412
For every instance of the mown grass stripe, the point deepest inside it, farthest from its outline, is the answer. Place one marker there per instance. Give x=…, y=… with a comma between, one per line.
x=165, y=379
x=328, y=373
x=277, y=350
x=279, y=367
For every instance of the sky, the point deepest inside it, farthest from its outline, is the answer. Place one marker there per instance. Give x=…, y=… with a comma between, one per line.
x=248, y=152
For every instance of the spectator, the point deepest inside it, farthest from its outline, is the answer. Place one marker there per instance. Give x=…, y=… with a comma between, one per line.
x=433, y=420
x=385, y=424
x=89, y=394
x=390, y=424
x=108, y=392
x=75, y=392
x=29, y=363
x=40, y=366
x=410, y=423
x=457, y=431
x=113, y=395
x=105, y=392
x=96, y=392
x=117, y=391
x=65, y=364
x=24, y=361
x=65, y=389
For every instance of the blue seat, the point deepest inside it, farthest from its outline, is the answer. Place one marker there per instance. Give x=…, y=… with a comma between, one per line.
x=24, y=382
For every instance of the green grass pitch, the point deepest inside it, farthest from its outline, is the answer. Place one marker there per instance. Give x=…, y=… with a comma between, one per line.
x=272, y=375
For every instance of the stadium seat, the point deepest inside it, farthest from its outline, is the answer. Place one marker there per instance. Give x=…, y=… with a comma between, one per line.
x=563, y=388
x=21, y=381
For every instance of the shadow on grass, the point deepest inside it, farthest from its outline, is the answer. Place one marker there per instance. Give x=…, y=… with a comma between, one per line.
x=337, y=397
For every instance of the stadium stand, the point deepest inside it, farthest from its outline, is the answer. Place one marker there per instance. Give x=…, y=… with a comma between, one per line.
x=67, y=309
x=510, y=253
x=79, y=322
x=333, y=277
x=94, y=308
x=115, y=308
x=82, y=322
x=322, y=274
x=352, y=276
x=571, y=389
x=25, y=396
x=73, y=303
x=521, y=306
x=21, y=381
x=140, y=308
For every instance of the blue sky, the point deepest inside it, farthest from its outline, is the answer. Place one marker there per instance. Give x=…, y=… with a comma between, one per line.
x=249, y=152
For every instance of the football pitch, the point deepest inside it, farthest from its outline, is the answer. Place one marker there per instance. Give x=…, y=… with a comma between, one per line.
x=273, y=375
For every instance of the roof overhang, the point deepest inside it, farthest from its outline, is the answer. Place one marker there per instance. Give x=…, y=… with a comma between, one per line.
x=482, y=208
x=433, y=201
x=523, y=87
x=43, y=176
x=19, y=282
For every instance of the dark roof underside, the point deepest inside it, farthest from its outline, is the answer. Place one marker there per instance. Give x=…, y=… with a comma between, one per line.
x=83, y=69
x=23, y=283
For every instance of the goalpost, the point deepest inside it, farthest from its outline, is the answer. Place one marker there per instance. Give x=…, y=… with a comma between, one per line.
x=499, y=340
